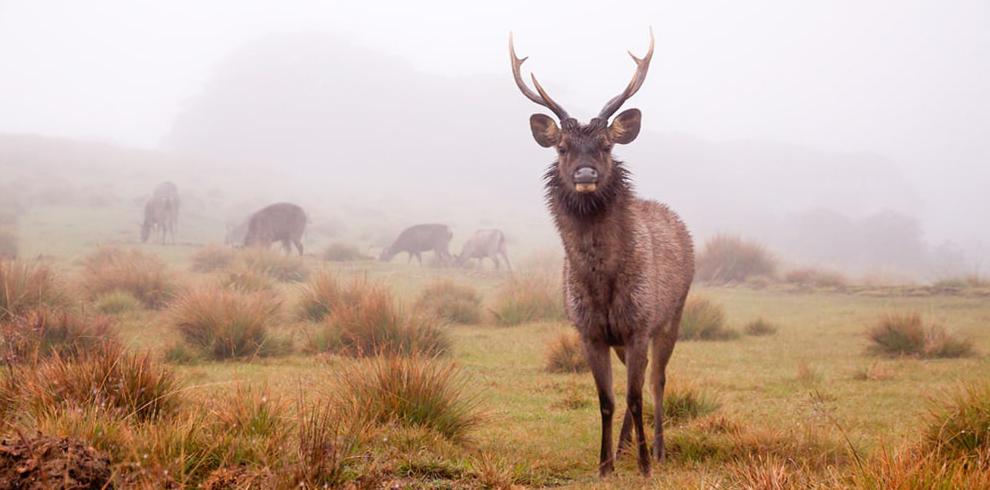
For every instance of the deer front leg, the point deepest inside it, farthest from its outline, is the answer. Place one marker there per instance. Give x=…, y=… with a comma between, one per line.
x=625, y=434
x=601, y=369
x=636, y=360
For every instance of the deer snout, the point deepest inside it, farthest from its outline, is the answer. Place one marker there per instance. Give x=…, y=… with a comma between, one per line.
x=585, y=179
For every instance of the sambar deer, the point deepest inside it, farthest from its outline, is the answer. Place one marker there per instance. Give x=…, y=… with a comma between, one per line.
x=628, y=262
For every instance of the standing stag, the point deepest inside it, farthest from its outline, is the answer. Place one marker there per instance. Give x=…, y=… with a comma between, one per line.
x=161, y=212
x=482, y=244
x=280, y=222
x=421, y=238
x=628, y=262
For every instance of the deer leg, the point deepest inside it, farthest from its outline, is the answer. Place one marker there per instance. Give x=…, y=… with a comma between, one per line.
x=299, y=246
x=636, y=360
x=625, y=433
x=498, y=266
x=419, y=257
x=663, y=347
x=506, y=257
x=601, y=369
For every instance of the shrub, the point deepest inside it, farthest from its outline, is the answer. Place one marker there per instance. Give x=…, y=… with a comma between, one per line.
x=41, y=334
x=565, y=354
x=453, y=302
x=225, y=324
x=528, y=297
x=8, y=244
x=411, y=391
x=342, y=252
x=25, y=286
x=116, y=302
x=145, y=276
x=278, y=266
x=374, y=324
x=127, y=384
x=728, y=258
x=815, y=278
x=759, y=327
x=704, y=320
x=213, y=258
x=907, y=335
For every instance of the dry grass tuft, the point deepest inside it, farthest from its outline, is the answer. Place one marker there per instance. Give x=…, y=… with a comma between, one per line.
x=907, y=335
x=727, y=258
x=455, y=303
x=528, y=297
x=41, y=334
x=873, y=372
x=342, y=252
x=26, y=286
x=808, y=277
x=244, y=279
x=681, y=404
x=145, y=276
x=958, y=423
x=565, y=354
x=704, y=319
x=759, y=327
x=226, y=324
x=324, y=294
x=213, y=258
x=117, y=302
x=410, y=391
x=278, y=266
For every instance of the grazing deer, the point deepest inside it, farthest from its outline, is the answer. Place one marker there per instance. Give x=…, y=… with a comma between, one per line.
x=280, y=222
x=421, y=238
x=161, y=212
x=482, y=244
x=628, y=262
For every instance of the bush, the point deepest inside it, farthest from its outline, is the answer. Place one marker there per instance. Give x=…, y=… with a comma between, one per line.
x=759, y=327
x=225, y=324
x=145, y=276
x=342, y=252
x=278, y=266
x=26, y=286
x=41, y=334
x=704, y=320
x=123, y=383
x=565, y=354
x=8, y=244
x=373, y=324
x=116, y=302
x=728, y=258
x=528, y=297
x=907, y=335
x=213, y=258
x=815, y=278
x=411, y=391
x=453, y=302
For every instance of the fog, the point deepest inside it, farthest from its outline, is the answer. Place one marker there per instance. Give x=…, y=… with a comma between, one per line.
x=841, y=133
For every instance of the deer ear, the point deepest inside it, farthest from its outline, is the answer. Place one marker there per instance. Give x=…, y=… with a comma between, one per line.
x=545, y=130
x=625, y=126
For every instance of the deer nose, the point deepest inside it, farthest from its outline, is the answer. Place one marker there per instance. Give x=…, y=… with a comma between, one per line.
x=585, y=175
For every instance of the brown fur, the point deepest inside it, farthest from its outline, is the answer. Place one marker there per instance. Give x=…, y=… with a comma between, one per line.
x=280, y=222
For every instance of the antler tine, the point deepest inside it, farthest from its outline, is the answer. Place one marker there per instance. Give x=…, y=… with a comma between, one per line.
x=642, y=66
x=542, y=98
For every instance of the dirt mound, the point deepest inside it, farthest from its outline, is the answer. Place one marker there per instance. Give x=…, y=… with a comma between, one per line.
x=43, y=462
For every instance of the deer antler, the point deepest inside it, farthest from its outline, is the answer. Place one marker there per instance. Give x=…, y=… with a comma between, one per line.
x=642, y=65
x=542, y=98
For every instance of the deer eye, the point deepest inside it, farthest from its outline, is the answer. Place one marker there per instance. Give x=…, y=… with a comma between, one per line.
x=561, y=150
x=607, y=148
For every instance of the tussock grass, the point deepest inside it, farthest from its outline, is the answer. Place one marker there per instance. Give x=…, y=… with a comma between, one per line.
x=408, y=390
x=213, y=258
x=456, y=303
x=278, y=266
x=43, y=333
x=145, y=276
x=8, y=244
x=565, y=353
x=873, y=372
x=907, y=335
x=374, y=324
x=123, y=383
x=728, y=258
x=528, y=297
x=117, y=302
x=703, y=319
x=244, y=279
x=342, y=252
x=681, y=404
x=226, y=324
x=26, y=286
x=914, y=469
x=809, y=277
x=324, y=293
x=958, y=422
x=327, y=442
x=759, y=327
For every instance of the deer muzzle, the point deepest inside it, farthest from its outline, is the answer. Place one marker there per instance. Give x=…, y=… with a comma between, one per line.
x=585, y=179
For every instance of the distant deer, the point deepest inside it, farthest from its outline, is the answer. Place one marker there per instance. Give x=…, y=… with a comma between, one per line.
x=161, y=212
x=628, y=262
x=482, y=244
x=280, y=222
x=421, y=238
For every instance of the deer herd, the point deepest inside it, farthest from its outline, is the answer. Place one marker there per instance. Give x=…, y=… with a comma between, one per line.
x=628, y=262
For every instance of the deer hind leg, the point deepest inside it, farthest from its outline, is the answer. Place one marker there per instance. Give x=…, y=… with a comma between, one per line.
x=625, y=434
x=498, y=265
x=601, y=369
x=637, y=350
x=663, y=347
x=299, y=245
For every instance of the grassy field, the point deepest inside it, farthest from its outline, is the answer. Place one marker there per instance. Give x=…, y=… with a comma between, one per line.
x=805, y=406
